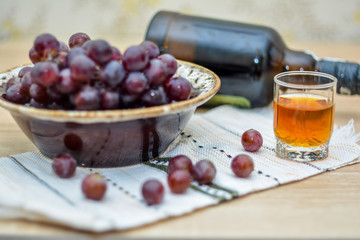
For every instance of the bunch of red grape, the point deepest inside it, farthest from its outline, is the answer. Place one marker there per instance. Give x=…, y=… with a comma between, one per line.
x=93, y=75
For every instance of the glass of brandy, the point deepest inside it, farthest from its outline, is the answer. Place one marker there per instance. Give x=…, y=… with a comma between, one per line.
x=304, y=108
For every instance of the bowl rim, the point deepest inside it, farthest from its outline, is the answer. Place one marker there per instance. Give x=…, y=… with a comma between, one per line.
x=112, y=115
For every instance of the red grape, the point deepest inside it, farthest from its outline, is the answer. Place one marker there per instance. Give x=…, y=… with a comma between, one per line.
x=64, y=165
x=78, y=39
x=87, y=99
x=114, y=73
x=129, y=100
x=179, y=181
x=16, y=95
x=65, y=83
x=63, y=47
x=100, y=51
x=156, y=72
x=170, y=62
x=242, y=165
x=82, y=68
x=12, y=81
x=36, y=104
x=45, y=73
x=23, y=71
x=180, y=162
x=116, y=54
x=178, y=89
x=204, y=172
x=54, y=94
x=151, y=48
x=26, y=82
x=251, y=140
x=135, y=58
x=153, y=192
x=154, y=97
x=39, y=93
x=34, y=57
x=110, y=99
x=94, y=186
x=135, y=83
x=46, y=45
x=74, y=52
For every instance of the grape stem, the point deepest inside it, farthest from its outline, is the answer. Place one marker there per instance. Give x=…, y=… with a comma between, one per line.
x=220, y=99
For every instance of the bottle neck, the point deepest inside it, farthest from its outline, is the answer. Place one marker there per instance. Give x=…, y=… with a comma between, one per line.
x=298, y=61
x=347, y=73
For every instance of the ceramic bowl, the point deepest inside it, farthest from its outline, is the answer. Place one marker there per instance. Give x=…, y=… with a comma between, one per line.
x=112, y=138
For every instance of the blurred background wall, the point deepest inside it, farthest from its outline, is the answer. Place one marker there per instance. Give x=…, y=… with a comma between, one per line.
x=295, y=20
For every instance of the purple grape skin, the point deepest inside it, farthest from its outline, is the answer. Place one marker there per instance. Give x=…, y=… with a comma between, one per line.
x=78, y=39
x=87, y=99
x=46, y=45
x=180, y=162
x=54, y=94
x=154, y=97
x=23, y=71
x=64, y=165
x=178, y=89
x=12, y=81
x=65, y=83
x=100, y=51
x=251, y=140
x=94, y=186
x=74, y=52
x=26, y=82
x=204, y=172
x=135, y=83
x=110, y=100
x=114, y=73
x=156, y=72
x=116, y=54
x=153, y=192
x=179, y=181
x=170, y=62
x=45, y=73
x=36, y=104
x=63, y=47
x=82, y=68
x=242, y=165
x=129, y=100
x=135, y=58
x=86, y=46
x=151, y=48
x=34, y=57
x=15, y=94
x=39, y=93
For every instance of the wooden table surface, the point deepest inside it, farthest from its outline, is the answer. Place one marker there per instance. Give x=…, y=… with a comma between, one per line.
x=323, y=206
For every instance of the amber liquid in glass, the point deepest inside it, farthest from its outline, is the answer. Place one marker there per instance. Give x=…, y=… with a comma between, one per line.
x=303, y=120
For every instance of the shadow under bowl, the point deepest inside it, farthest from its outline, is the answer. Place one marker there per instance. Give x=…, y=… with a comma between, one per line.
x=112, y=138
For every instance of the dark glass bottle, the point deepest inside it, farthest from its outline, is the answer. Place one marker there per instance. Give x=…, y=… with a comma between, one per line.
x=246, y=57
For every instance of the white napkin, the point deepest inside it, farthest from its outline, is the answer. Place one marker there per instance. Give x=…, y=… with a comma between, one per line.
x=29, y=189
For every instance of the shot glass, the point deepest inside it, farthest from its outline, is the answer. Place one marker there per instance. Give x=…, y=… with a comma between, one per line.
x=304, y=108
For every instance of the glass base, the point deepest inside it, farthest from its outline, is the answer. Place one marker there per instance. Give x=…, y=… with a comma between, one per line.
x=301, y=154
